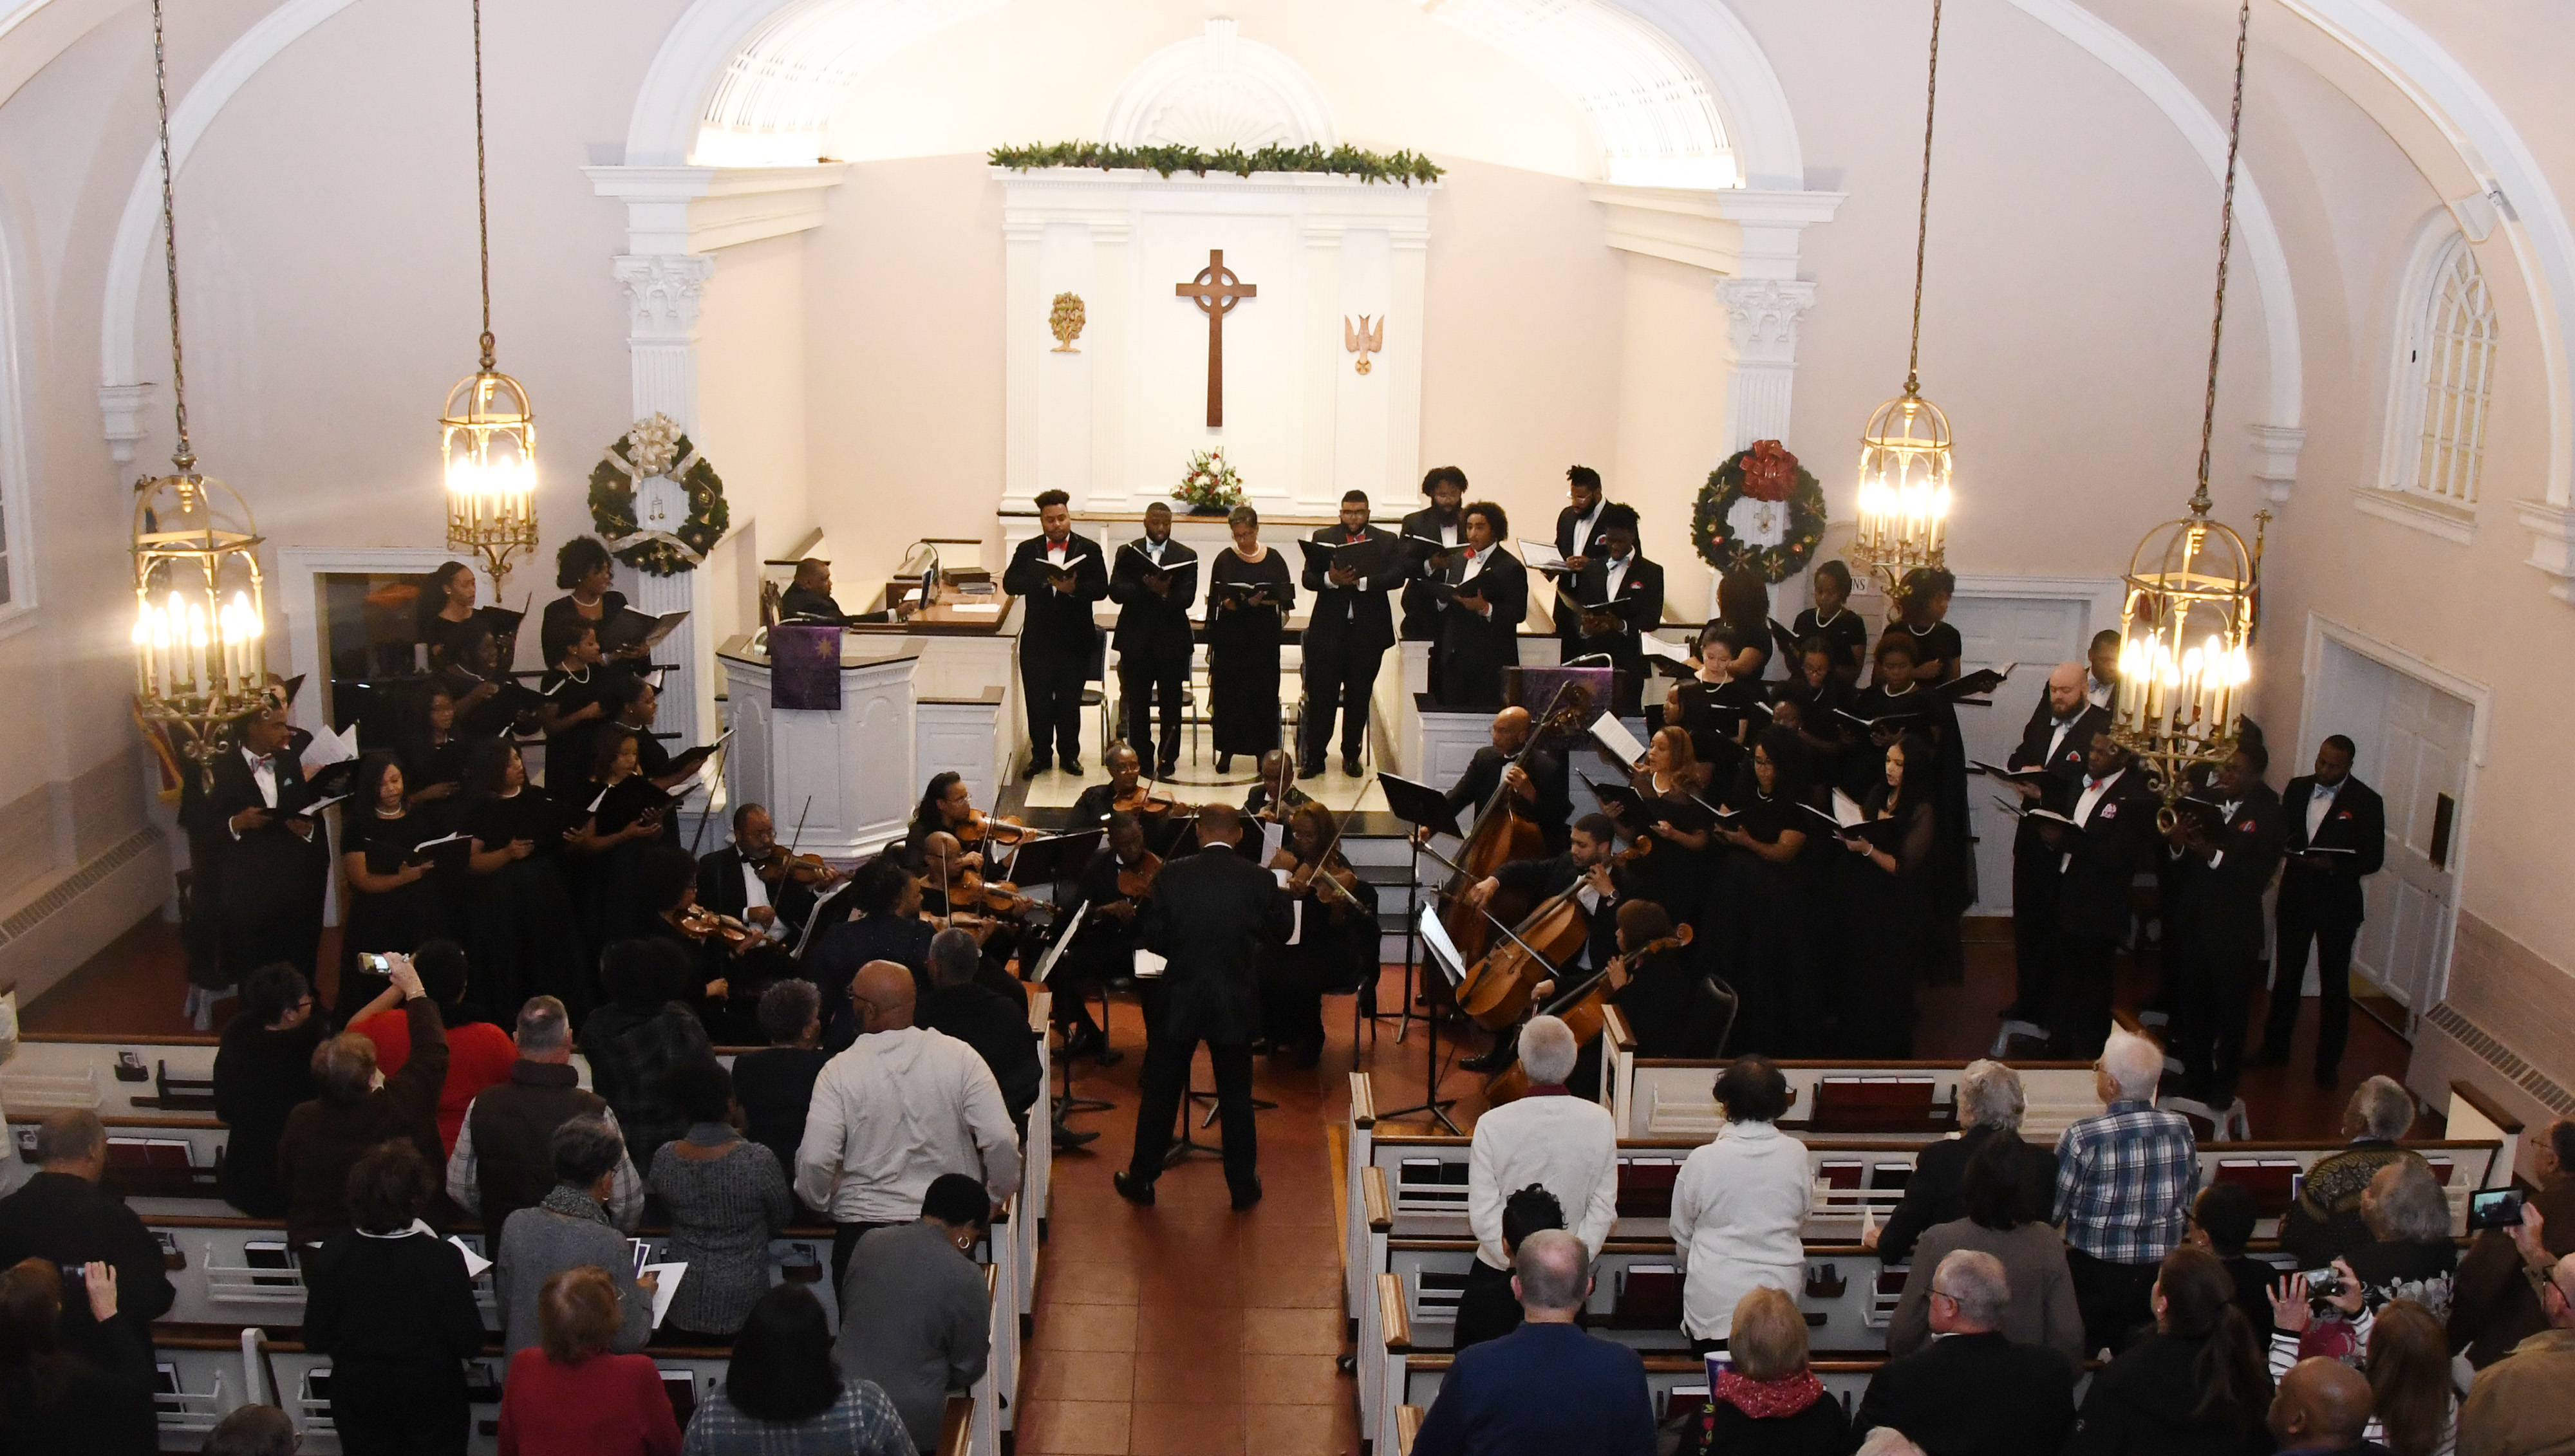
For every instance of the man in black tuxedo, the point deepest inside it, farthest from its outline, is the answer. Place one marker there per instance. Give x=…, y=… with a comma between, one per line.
x=1153, y=580
x=1628, y=588
x=1057, y=575
x=1540, y=786
x=1483, y=599
x=2335, y=836
x=1577, y=535
x=1586, y=868
x=1210, y=915
x=1346, y=640
x=1441, y=522
x=2214, y=932
x=1973, y=1389
x=2060, y=729
x=2097, y=857
x=260, y=862
x=729, y=882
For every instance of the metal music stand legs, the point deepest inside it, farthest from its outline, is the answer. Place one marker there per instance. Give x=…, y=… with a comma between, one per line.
x=1187, y=1143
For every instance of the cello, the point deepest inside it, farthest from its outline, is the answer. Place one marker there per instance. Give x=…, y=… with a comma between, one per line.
x=1501, y=834
x=1580, y=1010
x=1496, y=989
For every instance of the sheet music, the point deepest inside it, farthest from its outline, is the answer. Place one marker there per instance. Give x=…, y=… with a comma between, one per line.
x=1846, y=810
x=474, y=1263
x=1442, y=950
x=329, y=748
x=1614, y=735
x=1272, y=834
x=1054, y=952
x=1148, y=967
x=669, y=1275
x=1654, y=647
x=1538, y=555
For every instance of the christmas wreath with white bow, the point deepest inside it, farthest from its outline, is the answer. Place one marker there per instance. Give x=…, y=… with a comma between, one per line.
x=1760, y=512
x=654, y=501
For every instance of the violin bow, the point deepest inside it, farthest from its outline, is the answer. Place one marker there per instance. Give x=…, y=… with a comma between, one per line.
x=1489, y=919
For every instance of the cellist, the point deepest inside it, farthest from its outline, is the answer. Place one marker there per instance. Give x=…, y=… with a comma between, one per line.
x=1331, y=936
x=1588, y=869
x=1668, y=998
x=1538, y=787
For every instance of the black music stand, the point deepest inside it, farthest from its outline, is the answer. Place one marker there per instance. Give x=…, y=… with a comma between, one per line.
x=1424, y=807
x=1066, y=1104
x=1437, y=953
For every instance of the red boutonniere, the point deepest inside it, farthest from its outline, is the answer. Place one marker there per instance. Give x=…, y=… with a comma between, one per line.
x=2109, y=810
x=2346, y=814
x=2245, y=827
x=1769, y=473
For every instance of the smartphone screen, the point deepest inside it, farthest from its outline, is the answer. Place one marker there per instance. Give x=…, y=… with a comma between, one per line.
x=2495, y=1208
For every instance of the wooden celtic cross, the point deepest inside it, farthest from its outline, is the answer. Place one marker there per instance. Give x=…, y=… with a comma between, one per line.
x=1217, y=290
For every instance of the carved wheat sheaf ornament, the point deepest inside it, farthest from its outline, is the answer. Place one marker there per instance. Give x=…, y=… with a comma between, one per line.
x=1363, y=340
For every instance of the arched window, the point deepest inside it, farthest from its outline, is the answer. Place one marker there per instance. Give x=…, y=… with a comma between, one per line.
x=2443, y=376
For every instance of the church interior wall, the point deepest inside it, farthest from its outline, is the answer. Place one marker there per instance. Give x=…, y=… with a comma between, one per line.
x=753, y=419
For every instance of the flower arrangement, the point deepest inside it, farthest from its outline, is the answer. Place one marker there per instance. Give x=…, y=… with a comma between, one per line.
x=1209, y=486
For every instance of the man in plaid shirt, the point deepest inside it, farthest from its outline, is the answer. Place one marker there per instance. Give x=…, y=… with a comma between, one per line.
x=2125, y=1182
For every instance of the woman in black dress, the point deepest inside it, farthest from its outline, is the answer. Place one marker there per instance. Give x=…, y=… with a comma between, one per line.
x=1713, y=704
x=1882, y=900
x=580, y=694
x=1675, y=873
x=614, y=817
x=473, y=678
x=446, y=605
x=393, y=906
x=433, y=755
x=1924, y=602
x=1242, y=640
x=1743, y=607
x=583, y=570
x=521, y=935
x=1757, y=934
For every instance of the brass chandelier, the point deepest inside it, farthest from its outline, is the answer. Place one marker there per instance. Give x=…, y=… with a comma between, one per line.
x=199, y=621
x=2192, y=583
x=1905, y=451
x=488, y=434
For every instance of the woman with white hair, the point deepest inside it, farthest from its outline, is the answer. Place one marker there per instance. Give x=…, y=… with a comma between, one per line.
x=1990, y=1105
x=2325, y=1222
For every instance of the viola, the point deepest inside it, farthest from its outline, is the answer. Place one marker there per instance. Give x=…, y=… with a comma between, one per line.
x=1580, y=1010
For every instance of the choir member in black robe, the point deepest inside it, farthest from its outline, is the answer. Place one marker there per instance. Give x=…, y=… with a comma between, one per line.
x=433, y=755
x=580, y=694
x=618, y=813
x=483, y=695
x=1755, y=935
x=1438, y=523
x=1628, y=589
x=809, y=595
x=394, y=904
x=584, y=570
x=1675, y=872
x=1743, y=606
x=1883, y=899
x=1713, y=705
x=260, y=864
x=522, y=935
x=1154, y=579
x=637, y=704
x=1332, y=937
x=1243, y=632
x=1347, y=634
x=445, y=606
x=1925, y=599
x=1845, y=635
x=1479, y=617
x=1821, y=696
x=2052, y=743
x=1056, y=575
x=1890, y=696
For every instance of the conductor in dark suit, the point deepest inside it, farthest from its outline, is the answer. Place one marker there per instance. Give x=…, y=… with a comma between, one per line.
x=730, y=883
x=1485, y=597
x=1209, y=918
x=2060, y=729
x=1630, y=591
x=1347, y=636
x=2216, y=929
x=1154, y=579
x=2097, y=859
x=265, y=860
x=1057, y=575
x=2320, y=900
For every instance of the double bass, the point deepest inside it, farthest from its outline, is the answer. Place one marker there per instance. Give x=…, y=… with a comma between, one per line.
x=1581, y=1010
x=1501, y=834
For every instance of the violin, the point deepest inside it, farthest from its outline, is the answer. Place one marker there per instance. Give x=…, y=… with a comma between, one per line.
x=701, y=925
x=1135, y=881
x=969, y=892
x=782, y=866
x=984, y=828
x=1141, y=801
x=1580, y=1010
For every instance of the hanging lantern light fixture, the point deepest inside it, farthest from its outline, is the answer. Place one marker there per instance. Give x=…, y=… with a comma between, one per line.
x=487, y=434
x=2192, y=583
x=1905, y=451
x=198, y=621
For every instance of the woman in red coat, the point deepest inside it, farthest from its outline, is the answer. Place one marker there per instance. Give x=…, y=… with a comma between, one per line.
x=568, y=1396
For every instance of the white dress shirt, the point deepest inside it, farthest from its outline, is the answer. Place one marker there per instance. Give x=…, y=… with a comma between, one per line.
x=2320, y=803
x=1565, y=1143
x=1582, y=527
x=1614, y=576
x=894, y=1113
x=263, y=771
x=1739, y=1216
x=2097, y=691
x=1475, y=565
x=2056, y=738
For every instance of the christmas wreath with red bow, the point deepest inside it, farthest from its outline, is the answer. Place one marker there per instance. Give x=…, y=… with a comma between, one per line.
x=1760, y=512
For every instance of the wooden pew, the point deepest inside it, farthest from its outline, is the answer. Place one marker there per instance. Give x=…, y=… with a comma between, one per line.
x=1918, y=1100
x=1846, y=1305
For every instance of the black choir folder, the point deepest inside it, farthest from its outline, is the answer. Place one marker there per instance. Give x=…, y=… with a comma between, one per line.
x=1850, y=822
x=1240, y=594
x=1372, y=558
x=631, y=627
x=2036, y=777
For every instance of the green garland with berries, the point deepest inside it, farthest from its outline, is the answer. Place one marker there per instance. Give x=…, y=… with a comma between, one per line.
x=1401, y=167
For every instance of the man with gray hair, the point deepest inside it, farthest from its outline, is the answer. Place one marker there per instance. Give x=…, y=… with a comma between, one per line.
x=64, y=1219
x=504, y=1159
x=2518, y=1404
x=2324, y=1224
x=1564, y=1144
x=1547, y=1388
x=2124, y=1181
x=1990, y=1105
x=962, y=1006
x=1971, y=1388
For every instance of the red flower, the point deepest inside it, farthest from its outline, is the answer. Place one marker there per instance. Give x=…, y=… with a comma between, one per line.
x=1769, y=473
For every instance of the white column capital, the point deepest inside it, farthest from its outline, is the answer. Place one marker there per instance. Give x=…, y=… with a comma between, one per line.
x=663, y=291
x=122, y=405
x=2552, y=544
x=2276, y=457
x=1762, y=315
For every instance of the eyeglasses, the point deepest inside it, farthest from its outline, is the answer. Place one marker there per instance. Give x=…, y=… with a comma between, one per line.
x=1939, y=1293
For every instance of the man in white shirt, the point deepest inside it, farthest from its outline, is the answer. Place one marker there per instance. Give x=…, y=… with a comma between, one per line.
x=1561, y=1142
x=899, y=1107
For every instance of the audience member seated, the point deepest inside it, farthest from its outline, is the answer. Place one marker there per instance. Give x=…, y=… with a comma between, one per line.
x=1739, y=1204
x=2518, y=1405
x=727, y=1198
x=263, y=1069
x=63, y=1404
x=640, y=1037
x=1991, y=1104
x=2320, y=1409
x=2124, y=1181
x=479, y=1053
x=899, y=1107
x=566, y=1231
x=566, y=1393
x=63, y=1218
x=1768, y=1401
x=251, y=1430
x=1567, y=1145
x=2410, y=1255
x=962, y=1006
x=915, y=1319
x=775, y=1084
x=782, y=1396
x=2197, y=1383
x=2401, y=1348
x=391, y=1304
x=2221, y=1221
x=1975, y=1390
x=504, y=1159
x=2039, y=1309
x=2324, y=1223
x=1547, y=1388
x=351, y=1113
x=2492, y=1306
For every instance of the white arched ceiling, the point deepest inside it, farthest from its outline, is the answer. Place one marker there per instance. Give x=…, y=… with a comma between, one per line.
x=772, y=103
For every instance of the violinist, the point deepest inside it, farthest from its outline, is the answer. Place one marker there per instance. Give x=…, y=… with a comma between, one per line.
x=757, y=882
x=949, y=805
x=1590, y=868
x=1116, y=885
x=718, y=946
x=1539, y=786
x=1675, y=1007
x=993, y=910
x=1331, y=936
x=1125, y=789
x=1277, y=795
